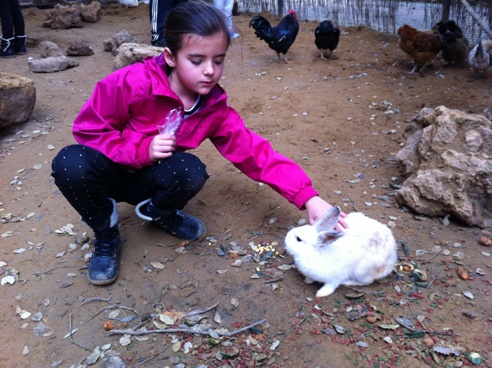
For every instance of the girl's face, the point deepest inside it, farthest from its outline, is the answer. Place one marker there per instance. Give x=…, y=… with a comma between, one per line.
x=197, y=66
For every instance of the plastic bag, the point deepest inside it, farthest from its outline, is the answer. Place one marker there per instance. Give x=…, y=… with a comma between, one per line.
x=173, y=120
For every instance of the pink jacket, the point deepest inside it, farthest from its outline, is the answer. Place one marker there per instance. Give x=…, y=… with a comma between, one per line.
x=121, y=117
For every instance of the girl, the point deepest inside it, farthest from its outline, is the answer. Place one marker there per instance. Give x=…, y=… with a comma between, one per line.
x=123, y=158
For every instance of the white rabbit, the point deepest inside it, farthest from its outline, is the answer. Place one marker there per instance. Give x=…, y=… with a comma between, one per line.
x=364, y=252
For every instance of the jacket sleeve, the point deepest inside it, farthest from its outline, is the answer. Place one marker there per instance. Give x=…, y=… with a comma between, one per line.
x=255, y=157
x=101, y=123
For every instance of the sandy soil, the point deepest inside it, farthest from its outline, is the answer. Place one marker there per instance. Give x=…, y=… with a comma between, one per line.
x=329, y=115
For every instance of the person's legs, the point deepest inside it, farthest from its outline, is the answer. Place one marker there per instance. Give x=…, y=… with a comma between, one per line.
x=92, y=184
x=6, y=19
x=159, y=9
x=158, y=13
x=19, y=28
x=7, y=39
x=83, y=175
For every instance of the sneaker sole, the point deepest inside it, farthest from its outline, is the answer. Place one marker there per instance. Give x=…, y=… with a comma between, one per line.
x=103, y=282
x=139, y=213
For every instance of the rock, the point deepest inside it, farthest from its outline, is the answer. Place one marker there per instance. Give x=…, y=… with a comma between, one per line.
x=90, y=13
x=113, y=362
x=17, y=99
x=52, y=64
x=63, y=17
x=79, y=48
x=130, y=53
x=485, y=241
x=449, y=160
x=50, y=49
x=117, y=40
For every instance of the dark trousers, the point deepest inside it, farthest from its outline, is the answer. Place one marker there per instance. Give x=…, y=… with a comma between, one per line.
x=12, y=19
x=159, y=9
x=87, y=179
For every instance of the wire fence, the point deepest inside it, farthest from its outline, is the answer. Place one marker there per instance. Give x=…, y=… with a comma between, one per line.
x=381, y=15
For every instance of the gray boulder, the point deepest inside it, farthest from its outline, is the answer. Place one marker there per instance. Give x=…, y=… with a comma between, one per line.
x=448, y=158
x=18, y=97
x=51, y=64
x=63, y=17
x=50, y=49
x=90, y=13
x=117, y=40
x=130, y=53
x=79, y=48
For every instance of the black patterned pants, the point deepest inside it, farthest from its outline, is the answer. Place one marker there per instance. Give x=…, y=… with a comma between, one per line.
x=87, y=179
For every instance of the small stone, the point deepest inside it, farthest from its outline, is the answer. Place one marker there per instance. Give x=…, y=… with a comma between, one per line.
x=485, y=241
x=428, y=341
x=371, y=319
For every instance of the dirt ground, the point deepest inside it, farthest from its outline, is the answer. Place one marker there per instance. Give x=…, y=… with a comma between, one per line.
x=341, y=119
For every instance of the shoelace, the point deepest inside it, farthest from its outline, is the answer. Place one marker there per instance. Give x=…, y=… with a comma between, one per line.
x=106, y=244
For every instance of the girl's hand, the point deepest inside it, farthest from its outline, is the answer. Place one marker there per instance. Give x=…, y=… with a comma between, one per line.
x=317, y=207
x=162, y=146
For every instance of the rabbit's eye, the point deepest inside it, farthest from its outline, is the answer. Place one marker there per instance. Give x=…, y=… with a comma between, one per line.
x=298, y=239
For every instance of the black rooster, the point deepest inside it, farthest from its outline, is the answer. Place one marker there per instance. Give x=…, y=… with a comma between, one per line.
x=326, y=36
x=279, y=38
x=454, y=43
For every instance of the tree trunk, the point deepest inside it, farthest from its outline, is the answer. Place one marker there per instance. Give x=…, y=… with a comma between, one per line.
x=476, y=17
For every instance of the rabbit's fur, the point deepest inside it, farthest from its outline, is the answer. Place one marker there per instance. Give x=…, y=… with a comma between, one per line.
x=364, y=252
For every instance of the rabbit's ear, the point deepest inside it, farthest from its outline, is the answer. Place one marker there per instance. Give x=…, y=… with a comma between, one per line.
x=325, y=226
x=328, y=236
x=329, y=220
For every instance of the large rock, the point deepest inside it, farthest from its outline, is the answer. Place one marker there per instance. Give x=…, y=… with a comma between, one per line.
x=117, y=40
x=63, y=17
x=52, y=64
x=50, y=49
x=130, y=53
x=17, y=99
x=90, y=13
x=449, y=159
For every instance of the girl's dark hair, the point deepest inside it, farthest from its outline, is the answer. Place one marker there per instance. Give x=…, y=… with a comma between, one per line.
x=193, y=17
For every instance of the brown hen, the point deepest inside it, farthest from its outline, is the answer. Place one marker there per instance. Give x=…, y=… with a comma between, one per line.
x=421, y=46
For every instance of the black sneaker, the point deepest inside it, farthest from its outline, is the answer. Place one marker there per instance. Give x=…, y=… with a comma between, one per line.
x=105, y=261
x=176, y=222
x=159, y=43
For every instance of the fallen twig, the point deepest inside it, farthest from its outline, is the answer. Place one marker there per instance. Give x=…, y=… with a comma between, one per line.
x=96, y=300
x=195, y=288
x=290, y=329
x=430, y=332
x=200, y=311
x=148, y=359
x=274, y=280
x=377, y=293
x=71, y=333
x=37, y=274
x=41, y=203
x=111, y=306
x=434, y=278
x=184, y=330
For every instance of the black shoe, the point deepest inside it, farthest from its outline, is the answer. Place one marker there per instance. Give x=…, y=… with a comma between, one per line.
x=7, y=47
x=20, y=45
x=159, y=43
x=176, y=222
x=105, y=261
